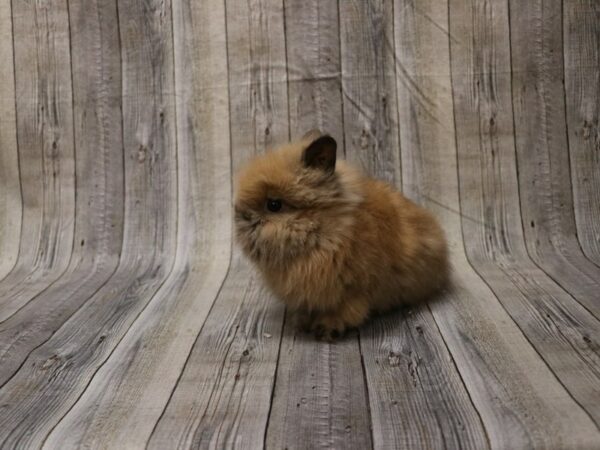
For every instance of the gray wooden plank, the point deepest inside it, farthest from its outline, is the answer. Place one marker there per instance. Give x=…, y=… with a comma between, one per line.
x=320, y=397
x=10, y=188
x=313, y=67
x=581, y=35
x=521, y=403
x=99, y=185
x=119, y=344
x=542, y=156
x=46, y=160
x=417, y=397
x=126, y=397
x=55, y=374
x=405, y=358
x=222, y=398
x=224, y=393
x=320, y=394
x=560, y=329
x=369, y=87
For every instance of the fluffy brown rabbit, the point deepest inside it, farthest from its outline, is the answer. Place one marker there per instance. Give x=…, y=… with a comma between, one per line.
x=334, y=244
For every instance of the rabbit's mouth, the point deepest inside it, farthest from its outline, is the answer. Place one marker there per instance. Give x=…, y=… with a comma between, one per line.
x=247, y=231
x=242, y=214
x=245, y=220
x=274, y=243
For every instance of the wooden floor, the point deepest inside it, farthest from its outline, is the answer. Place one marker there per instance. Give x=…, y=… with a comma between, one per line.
x=128, y=317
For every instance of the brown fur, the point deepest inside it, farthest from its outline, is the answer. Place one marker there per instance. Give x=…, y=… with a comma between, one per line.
x=343, y=245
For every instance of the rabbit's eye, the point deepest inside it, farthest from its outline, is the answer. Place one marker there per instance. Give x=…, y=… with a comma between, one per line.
x=274, y=205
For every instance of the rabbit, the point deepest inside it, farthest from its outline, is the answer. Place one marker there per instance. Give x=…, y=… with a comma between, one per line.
x=334, y=244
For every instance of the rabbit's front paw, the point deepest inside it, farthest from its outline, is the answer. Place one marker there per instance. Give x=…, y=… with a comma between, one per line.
x=328, y=327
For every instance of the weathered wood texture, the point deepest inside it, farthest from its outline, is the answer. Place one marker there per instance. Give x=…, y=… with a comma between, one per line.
x=581, y=31
x=489, y=190
x=223, y=396
x=542, y=149
x=129, y=318
x=327, y=408
x=11, y=209
x=507, y=381
x=46, y=144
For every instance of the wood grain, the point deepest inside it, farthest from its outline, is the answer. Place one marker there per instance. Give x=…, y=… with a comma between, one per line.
x=418, y=399
x=505, y=378
x=59, y=370
x=129, y=318
x=123, y=402
x=553, y=322
x=542, y=150
x=10, y=188
x=319, y=399
x=581, y=35
x=369, y=87
x=223, y=396
x=99, y=186
x=402, y=367
x=46, y=154
x=313, y=67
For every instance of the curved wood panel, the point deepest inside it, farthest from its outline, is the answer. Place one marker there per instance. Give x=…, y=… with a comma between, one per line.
x=542, y=150
x=10, y=188
x=99, y=188
x=505, y=377
x=581, y=27
x=490, y=204
x=43, y=94
x=158, y=343
x=223, y=395
x=59, y=370
x=129, y=317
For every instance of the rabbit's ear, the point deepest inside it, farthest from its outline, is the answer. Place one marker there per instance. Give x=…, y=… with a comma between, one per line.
x=320, y=154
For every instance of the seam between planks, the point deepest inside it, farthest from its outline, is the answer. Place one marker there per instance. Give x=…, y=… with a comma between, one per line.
x=12, y=28
x=342, y=98
x=366, y=388
x=281, y=338
x=396, y=58
x=341, y=75
x=564, y=90
x=461, y=239
x=287, y=87
x=189, y=355
x=287, y=91
x=467, y=390
x=74, y=146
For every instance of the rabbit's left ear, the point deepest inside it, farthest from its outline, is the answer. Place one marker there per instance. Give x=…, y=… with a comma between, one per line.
x=321, y=154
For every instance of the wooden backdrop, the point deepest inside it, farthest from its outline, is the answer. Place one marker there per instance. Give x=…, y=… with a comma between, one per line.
x=128, y=318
